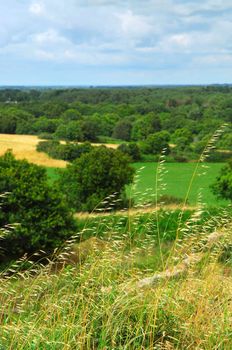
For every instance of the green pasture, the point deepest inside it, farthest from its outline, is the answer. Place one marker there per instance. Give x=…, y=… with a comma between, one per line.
x=180, y=180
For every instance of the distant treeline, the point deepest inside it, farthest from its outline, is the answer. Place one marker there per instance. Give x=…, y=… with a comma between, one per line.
x=180, y=120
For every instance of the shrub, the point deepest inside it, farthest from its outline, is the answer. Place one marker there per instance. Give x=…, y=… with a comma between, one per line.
x=167, y=199
x=68, y=152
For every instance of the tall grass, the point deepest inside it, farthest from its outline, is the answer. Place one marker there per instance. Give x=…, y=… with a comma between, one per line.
x=89, y=295
x=96, y=304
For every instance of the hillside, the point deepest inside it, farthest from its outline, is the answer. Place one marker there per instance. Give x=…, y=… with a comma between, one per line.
x=104, y=302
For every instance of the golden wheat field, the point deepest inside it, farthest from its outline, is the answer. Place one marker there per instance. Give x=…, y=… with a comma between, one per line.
x=24, y=147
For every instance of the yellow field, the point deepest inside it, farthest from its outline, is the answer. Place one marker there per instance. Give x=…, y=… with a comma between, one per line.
x=24, y=147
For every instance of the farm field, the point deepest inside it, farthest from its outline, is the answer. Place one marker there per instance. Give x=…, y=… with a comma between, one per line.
x=24, y=147
x=177, y=178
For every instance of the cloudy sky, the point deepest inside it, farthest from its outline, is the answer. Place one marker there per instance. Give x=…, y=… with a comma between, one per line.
x=115, y=42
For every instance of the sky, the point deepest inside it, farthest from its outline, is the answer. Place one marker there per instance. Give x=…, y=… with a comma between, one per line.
x=115, y=42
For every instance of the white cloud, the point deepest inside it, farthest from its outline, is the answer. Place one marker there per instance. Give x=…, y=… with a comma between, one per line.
x=215, y=60
x=36, y=8
x=181, y=40
x=44, y=55
x=134, y=26
x=51, y=36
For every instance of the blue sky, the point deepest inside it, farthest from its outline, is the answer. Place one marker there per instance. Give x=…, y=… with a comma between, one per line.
x=115, y=42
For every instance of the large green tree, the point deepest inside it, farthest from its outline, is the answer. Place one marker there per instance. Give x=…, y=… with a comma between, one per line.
x=94, y=176
x=122, y=130
x=157, y=142
x=43, y=219
x=145, y=126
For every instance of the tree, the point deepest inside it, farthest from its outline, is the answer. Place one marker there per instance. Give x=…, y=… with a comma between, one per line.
x=105, y=122
x=157, y=142
x=90, y=130
x=145, y=126
x=44, y=220
x=122, y=130
x=94, y=176
x=222, y=188
x=43, y=124
x=9, y=117
x=71, y=131
x=71, y=114
x=132, y=150
x=183, y=134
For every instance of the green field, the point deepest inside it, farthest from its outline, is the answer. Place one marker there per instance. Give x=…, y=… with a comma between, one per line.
x=177, y=177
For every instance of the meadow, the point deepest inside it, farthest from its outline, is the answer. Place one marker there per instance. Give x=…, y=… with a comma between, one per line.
x=178, y=179
x=186, y=181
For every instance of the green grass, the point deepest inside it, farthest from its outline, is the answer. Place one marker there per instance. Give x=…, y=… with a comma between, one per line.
x=177, y=179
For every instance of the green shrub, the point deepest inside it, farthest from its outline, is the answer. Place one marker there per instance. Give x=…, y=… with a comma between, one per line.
x=68, y=152
x=168, y=199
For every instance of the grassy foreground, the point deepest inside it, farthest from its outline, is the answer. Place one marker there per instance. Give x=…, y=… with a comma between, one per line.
x=97, y=304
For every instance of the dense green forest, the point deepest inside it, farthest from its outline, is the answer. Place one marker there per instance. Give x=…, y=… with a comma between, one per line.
x=180, y=120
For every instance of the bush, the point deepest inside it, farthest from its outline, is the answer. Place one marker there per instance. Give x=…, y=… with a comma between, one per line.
x=44, y=219
x=46, y=136
x=167, y=199
x=95, y=176
x=219, y=156
x=179, y=157
x=68, y=152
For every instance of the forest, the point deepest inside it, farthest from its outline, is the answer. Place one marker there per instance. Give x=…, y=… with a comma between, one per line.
x=145, y=120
